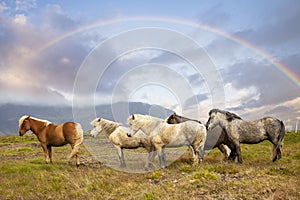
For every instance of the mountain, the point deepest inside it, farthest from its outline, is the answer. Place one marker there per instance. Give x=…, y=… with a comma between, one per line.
x=10, y=114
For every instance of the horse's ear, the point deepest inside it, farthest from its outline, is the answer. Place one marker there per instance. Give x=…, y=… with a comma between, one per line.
x=132, y=117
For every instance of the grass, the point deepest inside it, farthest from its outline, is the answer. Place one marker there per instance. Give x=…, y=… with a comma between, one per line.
x=24, y=175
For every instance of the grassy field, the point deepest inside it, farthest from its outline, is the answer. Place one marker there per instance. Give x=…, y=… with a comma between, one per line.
x=24, y=175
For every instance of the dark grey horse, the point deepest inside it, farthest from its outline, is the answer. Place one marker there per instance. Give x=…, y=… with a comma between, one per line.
x=213, y=139
x=248, y=132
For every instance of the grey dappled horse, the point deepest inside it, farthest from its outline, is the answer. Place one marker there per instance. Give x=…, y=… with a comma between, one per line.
x=248, y=132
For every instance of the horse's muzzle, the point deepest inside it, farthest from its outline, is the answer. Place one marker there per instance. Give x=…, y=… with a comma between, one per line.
x=21, y=134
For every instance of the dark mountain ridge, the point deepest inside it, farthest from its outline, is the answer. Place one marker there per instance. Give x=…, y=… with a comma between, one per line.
x=10, y=114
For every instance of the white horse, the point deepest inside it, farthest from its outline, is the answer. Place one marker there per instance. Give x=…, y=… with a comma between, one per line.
x=164, y=135
x=117, y=135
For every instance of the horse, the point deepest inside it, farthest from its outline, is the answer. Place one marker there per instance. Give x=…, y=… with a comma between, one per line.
x=211, y=135
x=164, y=135
x=50, y=135
x=117, y=135
x=248, y=132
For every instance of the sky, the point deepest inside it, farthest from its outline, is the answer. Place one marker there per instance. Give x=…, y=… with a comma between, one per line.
x=188, y=56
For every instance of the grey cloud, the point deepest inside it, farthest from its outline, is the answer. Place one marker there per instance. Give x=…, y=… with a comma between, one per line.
x=55, y=17
x=272, y=85
x=190, y=102
x=280, y=110
x=210, y=15
x=55, y=66
x=278, y=26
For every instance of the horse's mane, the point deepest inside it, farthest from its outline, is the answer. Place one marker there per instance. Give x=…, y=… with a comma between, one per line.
x=183, y=118
x=229, y=115
x=109, y=126
x=21, y=120
x=149, y=117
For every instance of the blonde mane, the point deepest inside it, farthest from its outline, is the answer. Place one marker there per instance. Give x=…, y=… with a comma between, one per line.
x=145, y=120
x=21, y=120
x=109, y=126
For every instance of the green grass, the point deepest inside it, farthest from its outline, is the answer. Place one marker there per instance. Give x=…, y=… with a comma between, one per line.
x=24, y=175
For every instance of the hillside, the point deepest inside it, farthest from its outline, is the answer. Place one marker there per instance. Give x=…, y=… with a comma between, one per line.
x=10, y=114
x=24, y=175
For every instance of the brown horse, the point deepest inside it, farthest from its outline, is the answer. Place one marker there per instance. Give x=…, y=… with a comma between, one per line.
x=213, y=138
x=53, y=135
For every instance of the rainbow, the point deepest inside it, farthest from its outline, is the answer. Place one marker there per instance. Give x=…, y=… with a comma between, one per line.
x=279, y=66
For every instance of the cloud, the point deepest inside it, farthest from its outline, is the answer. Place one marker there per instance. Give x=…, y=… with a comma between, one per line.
x=56, y=18
x=214, y=12
x=25, y=5
x=20, y=19
x=3, y=6
x=29, y=73
x=43, y=74
x=284, y=29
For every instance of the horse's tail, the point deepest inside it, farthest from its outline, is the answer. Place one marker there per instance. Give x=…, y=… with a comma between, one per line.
x=277, y=150
x=78, y=140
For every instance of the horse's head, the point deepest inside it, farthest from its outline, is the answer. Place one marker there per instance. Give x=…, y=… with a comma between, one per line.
x=133, y=122
x=220, y=117
x=213, y=119
x=97, y=127
x=24, y=125
x=172, y=119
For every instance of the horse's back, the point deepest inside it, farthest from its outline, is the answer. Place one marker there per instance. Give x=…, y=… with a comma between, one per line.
x=193, y=126
x=183, y=133
x=252, y=132
x=58, y=135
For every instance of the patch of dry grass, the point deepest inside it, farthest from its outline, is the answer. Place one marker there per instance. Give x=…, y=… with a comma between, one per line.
x=24, y=175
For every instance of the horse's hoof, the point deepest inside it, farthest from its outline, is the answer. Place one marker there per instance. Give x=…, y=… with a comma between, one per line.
x=122, y=166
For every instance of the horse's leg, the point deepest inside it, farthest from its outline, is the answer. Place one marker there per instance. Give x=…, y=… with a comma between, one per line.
x=225, y=151
x=160, y=156
x=192, y=149
x=164, y=156
x=200, y=151
x=201, y=154
x=44, y=146
x=277, y=145
x=276, y=151
x=238, y=152
x=75, y=151
x=50, y=153
x=232, y=155
x=151, y=155
x=121, y=156
x=196, y=153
